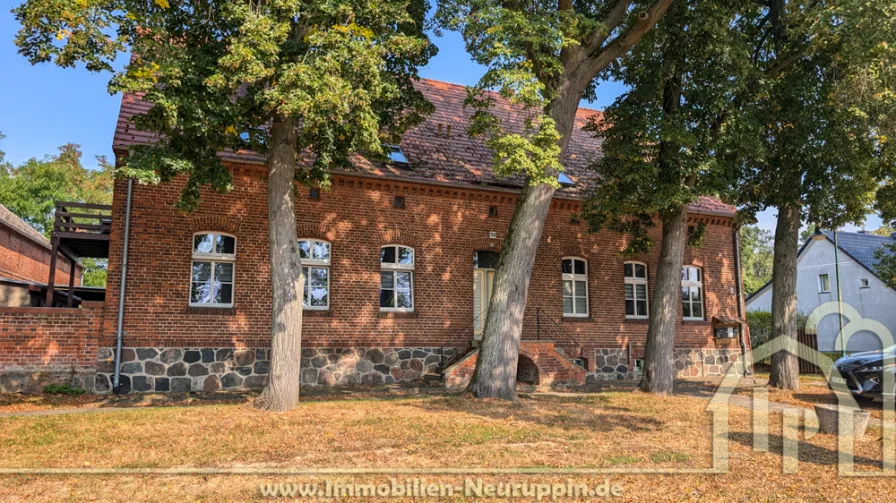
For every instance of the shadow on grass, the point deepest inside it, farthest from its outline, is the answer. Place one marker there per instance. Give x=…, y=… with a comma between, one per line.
x=808, y=453
x=570, y=417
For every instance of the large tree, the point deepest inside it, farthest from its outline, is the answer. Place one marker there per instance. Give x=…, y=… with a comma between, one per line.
x=31, y=190
x=543, y=57
x=661, y=139
x=305, y=83
x=814, y=121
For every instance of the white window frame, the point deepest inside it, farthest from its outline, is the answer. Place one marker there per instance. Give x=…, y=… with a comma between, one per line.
x=698, y=284
x=864, y=283
x=311, y=263
x=396, y=267
x=634, y=281
x=214, y=258
x=575, y=277
x=822, y=279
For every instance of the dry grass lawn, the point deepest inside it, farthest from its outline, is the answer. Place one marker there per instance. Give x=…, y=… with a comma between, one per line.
x=606, y=430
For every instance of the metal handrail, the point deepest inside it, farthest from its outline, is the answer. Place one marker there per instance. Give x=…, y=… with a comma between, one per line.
x=564, y=339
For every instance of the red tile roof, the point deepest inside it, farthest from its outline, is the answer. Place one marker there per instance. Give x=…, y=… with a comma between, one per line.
x=439, y=154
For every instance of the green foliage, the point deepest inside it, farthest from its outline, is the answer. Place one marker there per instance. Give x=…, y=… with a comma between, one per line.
x=697, y=235
x=217, y=72
x=63, y=389
x=807, y=233
x=760, y=323
x=884, y=230
x=662, y=137
x=814, y=123
x=757, y=254
x=885, y=264
x=32, y=189
x=537, y=55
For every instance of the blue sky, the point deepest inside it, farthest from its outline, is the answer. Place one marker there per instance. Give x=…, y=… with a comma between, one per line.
x=43, y=106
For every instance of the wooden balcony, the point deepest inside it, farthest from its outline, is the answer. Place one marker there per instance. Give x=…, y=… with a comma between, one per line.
x=81, y=230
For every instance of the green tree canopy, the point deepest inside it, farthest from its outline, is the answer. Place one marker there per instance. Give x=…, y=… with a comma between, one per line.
x=811, y=134
x=32, y=189
x=757, y=253
x=662, y=136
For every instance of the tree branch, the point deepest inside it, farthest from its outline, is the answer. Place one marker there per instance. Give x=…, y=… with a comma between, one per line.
x=608, y=24
x=599, y=60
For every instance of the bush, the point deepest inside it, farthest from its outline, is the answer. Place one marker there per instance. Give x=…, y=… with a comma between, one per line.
x=63, y=389
x=760, y=323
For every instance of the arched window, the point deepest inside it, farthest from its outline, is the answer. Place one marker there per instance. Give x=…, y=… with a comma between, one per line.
x=691, y=293
x=396, y=278
x=635, y=289
x=211, y=281
x=315, y=257
x=575, y=286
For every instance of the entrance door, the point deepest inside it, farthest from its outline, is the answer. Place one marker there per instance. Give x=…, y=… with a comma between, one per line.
x=483, y=281
x=484, y=264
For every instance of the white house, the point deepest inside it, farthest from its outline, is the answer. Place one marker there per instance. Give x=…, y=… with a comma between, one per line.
x=861, y=287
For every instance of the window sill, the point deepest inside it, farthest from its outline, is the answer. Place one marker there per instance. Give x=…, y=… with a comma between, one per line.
x=637, y=321
x=316, y=313
x=397, y=314
x=576, y=319
x=211, y=311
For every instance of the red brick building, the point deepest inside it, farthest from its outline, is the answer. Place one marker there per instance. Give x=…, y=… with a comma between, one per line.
x=25, y=262
x=400, y=260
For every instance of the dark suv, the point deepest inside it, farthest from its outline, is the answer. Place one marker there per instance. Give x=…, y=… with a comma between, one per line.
x=863, y=373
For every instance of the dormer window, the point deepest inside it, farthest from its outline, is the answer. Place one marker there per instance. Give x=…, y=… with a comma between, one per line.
x=396, y=155
x=565, y=180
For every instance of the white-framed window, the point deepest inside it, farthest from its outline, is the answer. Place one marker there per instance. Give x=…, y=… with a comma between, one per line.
x=315, y=258
x=574, y=272
x=396, y=278
x=691, y=293
x=635, y=289
x=212, y=270
x=824, y=283
x=864, y=283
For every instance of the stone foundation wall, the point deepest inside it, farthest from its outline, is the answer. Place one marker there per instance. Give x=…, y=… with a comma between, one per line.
x=613, y=364
x=213, y=369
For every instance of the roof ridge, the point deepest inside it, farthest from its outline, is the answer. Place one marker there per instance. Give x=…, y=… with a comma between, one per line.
x=452, y=84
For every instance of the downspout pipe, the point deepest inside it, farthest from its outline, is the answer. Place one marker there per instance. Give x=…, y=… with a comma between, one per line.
x=740, y=297
x=116, y=380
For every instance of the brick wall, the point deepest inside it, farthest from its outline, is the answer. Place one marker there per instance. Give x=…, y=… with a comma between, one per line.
x=40, y=345
x=444, y=224
x=23, y=259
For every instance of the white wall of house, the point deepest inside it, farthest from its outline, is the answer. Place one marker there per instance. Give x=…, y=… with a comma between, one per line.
x=875, y=301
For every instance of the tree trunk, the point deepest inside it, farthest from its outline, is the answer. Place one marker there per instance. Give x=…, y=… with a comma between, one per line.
x=495, y=374
x=282, y=391
x=659, y=357
x=659, y=365
x=785, y=371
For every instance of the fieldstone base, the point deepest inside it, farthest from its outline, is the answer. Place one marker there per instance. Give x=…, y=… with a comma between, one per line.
x=613, y=364
x=214, y=369
x=705, y=361
x=29, y=380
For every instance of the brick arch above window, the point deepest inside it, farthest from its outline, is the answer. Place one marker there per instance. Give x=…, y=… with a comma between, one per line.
x=315, y=231
x=215, y=223
x=486, y=243
x=406, y=238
